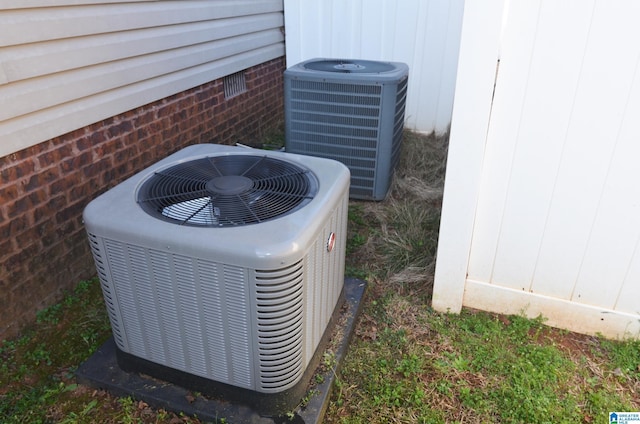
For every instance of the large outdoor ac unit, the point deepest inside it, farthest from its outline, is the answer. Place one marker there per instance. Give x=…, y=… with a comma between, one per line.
x=223, y=265
x=351, y=111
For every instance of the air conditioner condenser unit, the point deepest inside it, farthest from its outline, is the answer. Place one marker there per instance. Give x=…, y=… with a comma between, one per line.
x=351, y=111
x=221, y=268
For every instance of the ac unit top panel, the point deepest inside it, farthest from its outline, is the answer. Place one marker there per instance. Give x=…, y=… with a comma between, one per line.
x=227, y=191
x=355, y=71
x=116, y=214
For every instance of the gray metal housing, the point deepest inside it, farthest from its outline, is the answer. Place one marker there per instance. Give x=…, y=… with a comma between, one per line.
x=351, y=111
x=245, y=306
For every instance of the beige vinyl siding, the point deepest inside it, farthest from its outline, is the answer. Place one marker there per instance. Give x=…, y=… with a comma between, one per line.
x=22, y=4
x=62, y=68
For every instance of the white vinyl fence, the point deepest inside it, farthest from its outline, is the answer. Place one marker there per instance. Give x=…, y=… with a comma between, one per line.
x=424, y=34
x=541, y=209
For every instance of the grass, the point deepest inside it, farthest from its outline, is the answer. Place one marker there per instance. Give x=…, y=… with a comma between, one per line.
x=37, y=383
x=407, y=363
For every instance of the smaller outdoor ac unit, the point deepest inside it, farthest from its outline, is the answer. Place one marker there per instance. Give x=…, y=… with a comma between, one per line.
x=351, y=111
x=221, y=268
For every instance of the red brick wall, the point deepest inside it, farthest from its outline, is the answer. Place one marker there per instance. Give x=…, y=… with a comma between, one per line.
x=44, y=188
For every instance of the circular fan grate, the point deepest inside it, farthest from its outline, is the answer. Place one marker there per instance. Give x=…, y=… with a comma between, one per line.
x=350, y=66
x=223, y=191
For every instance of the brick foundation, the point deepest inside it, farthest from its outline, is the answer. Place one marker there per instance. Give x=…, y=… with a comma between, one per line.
x=44, y=188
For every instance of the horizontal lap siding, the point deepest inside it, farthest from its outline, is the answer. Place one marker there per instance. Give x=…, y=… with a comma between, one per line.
x=62, y=68
x=21, y=4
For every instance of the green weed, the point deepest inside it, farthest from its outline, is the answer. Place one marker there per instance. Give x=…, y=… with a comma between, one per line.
x=624, y=357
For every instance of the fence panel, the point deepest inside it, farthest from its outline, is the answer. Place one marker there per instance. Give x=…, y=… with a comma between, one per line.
x=423, y=34
x=556, y=229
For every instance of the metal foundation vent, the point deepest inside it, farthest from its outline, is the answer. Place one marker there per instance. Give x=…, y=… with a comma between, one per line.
x=234, y=85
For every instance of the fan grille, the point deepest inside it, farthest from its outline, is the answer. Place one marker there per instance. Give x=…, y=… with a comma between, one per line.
x=350, y=66
x=223, y=191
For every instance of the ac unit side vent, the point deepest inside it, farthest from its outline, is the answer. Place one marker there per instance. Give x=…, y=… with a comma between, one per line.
x=328, y=87
x=280, y=301
x=337, y=130
x=237, y=308
x=364, y=122
x=399, y=121
x=179, y=311
x=332, y=100
x=211, y=286
x=332, y=108
x=339, y=146
x=107, y=290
